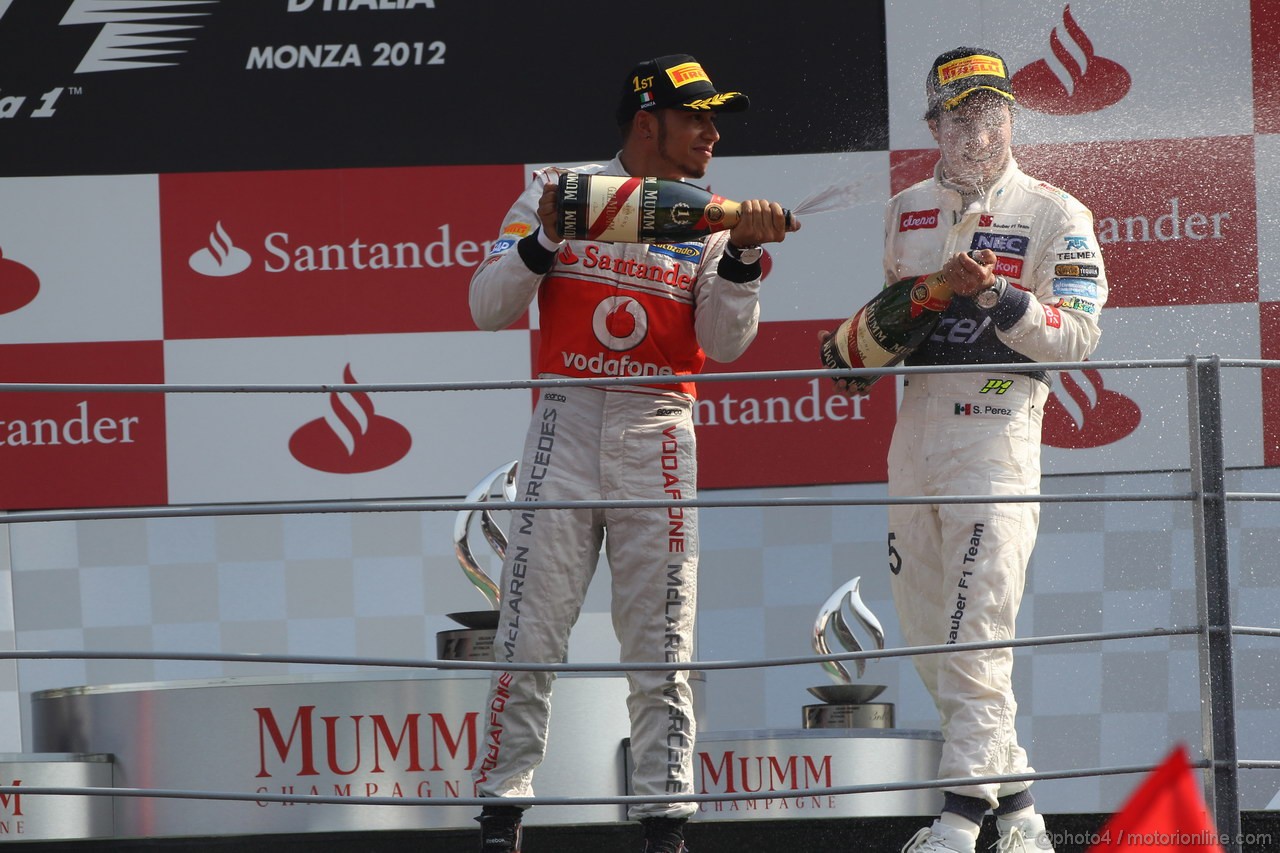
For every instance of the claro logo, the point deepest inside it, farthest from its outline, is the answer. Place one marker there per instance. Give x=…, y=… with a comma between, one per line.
x=131, y=35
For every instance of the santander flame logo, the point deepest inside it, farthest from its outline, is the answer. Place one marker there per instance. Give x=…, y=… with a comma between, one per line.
x=221, y=258
x=1089, y=415
x=352, y=438
x=1081, y=82
x=18, y=285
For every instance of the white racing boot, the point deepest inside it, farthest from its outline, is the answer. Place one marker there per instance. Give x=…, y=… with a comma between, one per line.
x=939, y=838
x=1023, y=836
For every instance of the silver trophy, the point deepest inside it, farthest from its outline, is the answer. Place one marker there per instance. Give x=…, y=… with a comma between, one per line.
x=474, y=641
x=847, y=703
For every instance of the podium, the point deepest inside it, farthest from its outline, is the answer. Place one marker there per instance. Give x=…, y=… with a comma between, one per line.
x=345, y=736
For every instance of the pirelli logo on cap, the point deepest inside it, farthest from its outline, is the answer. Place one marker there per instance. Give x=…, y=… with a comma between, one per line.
x=970, y=66
x=686, y=72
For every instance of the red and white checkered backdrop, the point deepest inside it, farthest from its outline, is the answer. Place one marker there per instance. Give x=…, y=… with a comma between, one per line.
x=299, y=192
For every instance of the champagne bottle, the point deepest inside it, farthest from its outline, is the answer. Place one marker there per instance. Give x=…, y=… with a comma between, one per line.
x=613, y=209
x=888, y=328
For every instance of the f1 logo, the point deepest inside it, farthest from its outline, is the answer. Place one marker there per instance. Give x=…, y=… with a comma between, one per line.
x=996, y=386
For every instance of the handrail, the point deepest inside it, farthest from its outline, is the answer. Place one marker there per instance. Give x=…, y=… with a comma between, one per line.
x=1206, y=494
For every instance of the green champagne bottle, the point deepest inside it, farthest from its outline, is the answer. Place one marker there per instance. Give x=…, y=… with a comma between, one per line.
x=624, y=209
x=888, y=328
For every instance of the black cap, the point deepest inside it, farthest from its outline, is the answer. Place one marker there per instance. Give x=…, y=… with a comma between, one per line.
x=677, y=82
x=961, y=72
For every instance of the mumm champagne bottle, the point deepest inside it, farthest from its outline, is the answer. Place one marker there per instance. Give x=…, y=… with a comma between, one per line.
x=888, y=328
x=612, y=209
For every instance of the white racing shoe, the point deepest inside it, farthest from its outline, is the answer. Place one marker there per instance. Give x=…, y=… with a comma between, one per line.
x=939, y=839
x=1023, y=836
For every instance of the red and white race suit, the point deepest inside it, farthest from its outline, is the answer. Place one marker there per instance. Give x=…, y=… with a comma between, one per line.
x=653, y=312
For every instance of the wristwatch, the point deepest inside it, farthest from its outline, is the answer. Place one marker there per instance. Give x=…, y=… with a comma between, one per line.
x=747, y=255
x=989, y=296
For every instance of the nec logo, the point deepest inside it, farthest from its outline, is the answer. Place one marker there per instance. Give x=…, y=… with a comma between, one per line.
x=916, y=220
x=1000, y=243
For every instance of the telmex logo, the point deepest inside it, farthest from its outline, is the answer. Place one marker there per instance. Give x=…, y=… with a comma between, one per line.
x=18, y=285
x=1077, y=81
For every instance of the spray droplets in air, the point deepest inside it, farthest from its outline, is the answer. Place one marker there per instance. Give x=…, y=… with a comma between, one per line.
x=836, y=196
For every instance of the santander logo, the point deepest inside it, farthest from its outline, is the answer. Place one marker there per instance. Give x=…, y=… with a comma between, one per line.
x=18, y=285
x=1088, y=415
x=352, y=438
x=221, y=258
x=1076, y=81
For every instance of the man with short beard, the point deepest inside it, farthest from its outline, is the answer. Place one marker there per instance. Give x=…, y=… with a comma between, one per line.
x=601, y=313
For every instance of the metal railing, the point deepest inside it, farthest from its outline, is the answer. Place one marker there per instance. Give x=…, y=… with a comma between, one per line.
x=1206, y=494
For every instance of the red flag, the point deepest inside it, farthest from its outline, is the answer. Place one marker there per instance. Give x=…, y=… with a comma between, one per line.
x=1166, y=814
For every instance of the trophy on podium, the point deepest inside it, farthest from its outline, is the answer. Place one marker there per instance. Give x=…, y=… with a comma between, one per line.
x=474, y=640
x=847, y=704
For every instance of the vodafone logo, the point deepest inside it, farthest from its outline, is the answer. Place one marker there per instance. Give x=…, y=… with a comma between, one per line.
x=18, y=285
x=221, y=258
x=1075, y=80
x=1082, y=413
x=352, y=438
x=620, y=323
x=916, y=220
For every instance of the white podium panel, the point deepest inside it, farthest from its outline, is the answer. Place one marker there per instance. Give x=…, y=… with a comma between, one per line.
x=347, y=736
x=777, y=766
x=32, y=817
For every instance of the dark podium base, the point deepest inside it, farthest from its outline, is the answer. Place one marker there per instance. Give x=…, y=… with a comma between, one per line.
x=1071, y=835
